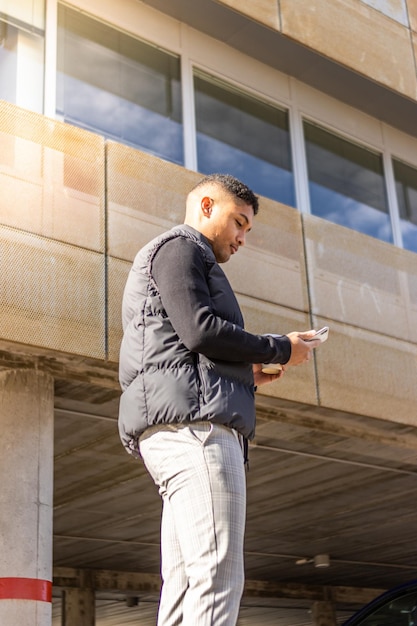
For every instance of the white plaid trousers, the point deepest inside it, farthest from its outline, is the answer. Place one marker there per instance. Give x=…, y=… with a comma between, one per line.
x=199, y=470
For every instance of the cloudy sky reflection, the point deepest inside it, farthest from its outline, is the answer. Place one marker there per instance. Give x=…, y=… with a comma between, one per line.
x=114, y=117
x=263, y=177
x=409, y=234
x=348, y=212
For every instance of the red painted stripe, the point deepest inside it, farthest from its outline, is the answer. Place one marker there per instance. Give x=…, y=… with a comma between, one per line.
x=25, y=589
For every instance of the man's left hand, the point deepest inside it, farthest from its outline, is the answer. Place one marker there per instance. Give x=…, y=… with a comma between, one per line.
x=263, y=379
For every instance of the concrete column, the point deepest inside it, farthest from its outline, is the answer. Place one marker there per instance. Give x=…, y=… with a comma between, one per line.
x=26, y=478
x=79, y=607
x=323, y=614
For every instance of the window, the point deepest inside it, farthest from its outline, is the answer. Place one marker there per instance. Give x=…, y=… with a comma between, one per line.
x=22, y=56
x=406, y=187
x=118, y=86
x=8, y=62
x=127, y=87
x=240, y=135
x=346, y=183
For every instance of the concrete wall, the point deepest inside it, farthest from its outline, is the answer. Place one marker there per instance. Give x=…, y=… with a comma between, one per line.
x=52, y=234
x=74, y=211
x=353, y=33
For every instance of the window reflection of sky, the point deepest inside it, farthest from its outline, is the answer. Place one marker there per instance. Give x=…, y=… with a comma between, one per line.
x=406, y=189
x=8, y=65
x=348, y=212
x=346, y=182
x=130, y=91
x=345, y=167
x=98, y=110
x=263, y=177
x=409, y=235
x=412, y=203
x=119, y=86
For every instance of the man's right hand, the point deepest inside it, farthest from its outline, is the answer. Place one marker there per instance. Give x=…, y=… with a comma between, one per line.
x=301, y=351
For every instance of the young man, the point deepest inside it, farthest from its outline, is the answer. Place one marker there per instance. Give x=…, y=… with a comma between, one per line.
x=188, y=371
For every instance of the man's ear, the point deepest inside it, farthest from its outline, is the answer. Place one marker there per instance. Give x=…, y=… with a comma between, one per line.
x=206, y=206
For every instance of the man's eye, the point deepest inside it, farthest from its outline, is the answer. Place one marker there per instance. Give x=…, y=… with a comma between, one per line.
x=238, y=223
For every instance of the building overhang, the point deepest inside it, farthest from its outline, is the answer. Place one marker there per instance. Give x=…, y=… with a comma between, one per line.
x=290, y=57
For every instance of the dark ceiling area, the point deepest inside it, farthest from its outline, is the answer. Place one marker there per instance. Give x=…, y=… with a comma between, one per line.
x=323, y=488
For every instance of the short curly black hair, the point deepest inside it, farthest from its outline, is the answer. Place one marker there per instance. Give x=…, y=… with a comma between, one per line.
x=234, y=187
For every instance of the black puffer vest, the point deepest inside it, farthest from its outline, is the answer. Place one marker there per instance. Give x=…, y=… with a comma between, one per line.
x=164, y=382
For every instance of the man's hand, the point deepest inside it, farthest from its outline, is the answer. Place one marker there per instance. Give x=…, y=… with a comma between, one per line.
x=263, y=379
x=301, y=351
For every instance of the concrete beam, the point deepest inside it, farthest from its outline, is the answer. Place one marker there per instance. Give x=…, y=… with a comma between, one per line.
x=337, y=422
x=60, y=365
x=141, y=582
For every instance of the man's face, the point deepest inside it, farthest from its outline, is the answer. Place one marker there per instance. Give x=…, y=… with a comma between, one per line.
x=227, y=224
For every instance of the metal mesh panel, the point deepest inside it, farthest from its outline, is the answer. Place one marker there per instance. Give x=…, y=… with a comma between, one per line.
x=362, y=288
x=54, y=266
x=52, y=234
x=368, y=373
x=51, y=294
x=145, y=196
x=271, y=266
x=52, y=178
x=360, y=281
x=117, y=275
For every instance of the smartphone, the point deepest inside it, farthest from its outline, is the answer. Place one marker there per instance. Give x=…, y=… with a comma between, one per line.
x=274, y=368
x=321, y=334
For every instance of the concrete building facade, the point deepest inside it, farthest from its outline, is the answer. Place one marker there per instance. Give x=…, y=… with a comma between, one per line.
x=109, y=113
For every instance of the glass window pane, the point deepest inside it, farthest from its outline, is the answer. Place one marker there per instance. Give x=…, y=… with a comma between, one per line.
x=406, y=186
x=240, y=135
x=8, y=61
x=118, y=86
x=21, y=64
x=346, y=183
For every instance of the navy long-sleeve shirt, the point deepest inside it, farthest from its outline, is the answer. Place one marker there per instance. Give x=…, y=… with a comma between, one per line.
x=179, y=271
